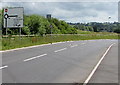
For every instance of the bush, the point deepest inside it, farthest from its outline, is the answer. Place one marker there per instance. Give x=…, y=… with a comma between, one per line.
x=42, y=30
x=71, y=31
x=117, y=30
x=26, y=30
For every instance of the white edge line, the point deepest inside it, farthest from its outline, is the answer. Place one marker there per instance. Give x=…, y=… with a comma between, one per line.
x=60, y=50
x=95, y=68
x=74, y=46
x=34, y=57
x=3, y=67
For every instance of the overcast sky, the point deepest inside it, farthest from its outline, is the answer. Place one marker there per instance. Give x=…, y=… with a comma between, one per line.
x=72, y=11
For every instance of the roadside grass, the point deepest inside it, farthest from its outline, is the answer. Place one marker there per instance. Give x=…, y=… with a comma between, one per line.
x=91, y=32
x=85, y=32
x=23, y=41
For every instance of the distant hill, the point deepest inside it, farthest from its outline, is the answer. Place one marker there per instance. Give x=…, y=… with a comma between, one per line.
x=97, y=27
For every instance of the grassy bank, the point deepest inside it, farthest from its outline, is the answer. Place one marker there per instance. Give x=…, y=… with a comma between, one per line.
x=17, y=42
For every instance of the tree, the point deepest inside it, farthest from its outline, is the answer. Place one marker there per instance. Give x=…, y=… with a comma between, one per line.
x=54, y=29
x=71, y=31
x=90, y=28
x=34, y=23
x=117, y=30
x=95, y=29
x=37, y=24
x=26, y=30
x=42, y=30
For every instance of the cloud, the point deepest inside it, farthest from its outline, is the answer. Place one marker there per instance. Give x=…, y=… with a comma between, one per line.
x=71, y=11
x=59, y=0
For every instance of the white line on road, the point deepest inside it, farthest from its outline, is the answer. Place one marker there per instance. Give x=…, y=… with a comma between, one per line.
x=74, y=46
x=95, y=68
x=60, y=50
x=3, y=67
x=34, y=57
x=82, y=43
x=1, y=51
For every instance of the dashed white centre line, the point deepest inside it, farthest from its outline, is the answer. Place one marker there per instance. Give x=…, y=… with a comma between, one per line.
x=74, y=46
x=82, y=43
x=60, y=50
x=3, y=67
x=34, y=57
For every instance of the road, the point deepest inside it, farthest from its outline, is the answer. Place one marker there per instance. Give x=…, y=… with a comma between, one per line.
x=107, y=72
x=67, y=62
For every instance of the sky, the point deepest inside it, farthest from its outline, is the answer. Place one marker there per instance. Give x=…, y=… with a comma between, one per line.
x=70, y=10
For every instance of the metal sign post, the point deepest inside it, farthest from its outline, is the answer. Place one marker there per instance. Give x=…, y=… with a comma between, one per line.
x=6, y=26
x=49, y=18
x=6, y=16
x=51, y=32
x=20, y=31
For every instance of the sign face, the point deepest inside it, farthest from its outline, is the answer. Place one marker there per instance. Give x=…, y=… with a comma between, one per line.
x=119, y=11
x=48, y=16
x=13, y=17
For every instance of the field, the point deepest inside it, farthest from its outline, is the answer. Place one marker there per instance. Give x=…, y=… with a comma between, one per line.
x=12, y=42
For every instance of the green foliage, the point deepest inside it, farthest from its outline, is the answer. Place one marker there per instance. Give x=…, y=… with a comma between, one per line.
x=56, y=22
x=0, y=18
x=83, y=27
x=36, y=24
x=71, y=31
x=117, y=30
x=84, y=32
x=98, y=27
x=90, y=28
x=95, y=29
x=40, y=25
x=26, y=30
x=41, y=30
x=55, y=30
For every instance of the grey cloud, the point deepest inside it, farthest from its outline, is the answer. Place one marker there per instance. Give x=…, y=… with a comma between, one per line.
x=69, y=10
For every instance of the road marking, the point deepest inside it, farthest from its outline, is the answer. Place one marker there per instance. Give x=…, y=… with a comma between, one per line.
x=3, y=67
x=74, y=46
x=69, y=41
x=82, y=43
x=34, y=57
x=95, y=68
x=60, y=50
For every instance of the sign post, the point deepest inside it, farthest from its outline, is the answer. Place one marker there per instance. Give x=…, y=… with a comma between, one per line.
x=49, y=19
x=6, y=16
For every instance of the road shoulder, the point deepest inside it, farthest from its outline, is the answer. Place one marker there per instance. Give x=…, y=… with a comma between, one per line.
x=107, y=72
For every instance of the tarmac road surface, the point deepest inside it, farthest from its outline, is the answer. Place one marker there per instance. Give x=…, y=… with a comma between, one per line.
x=66, y=62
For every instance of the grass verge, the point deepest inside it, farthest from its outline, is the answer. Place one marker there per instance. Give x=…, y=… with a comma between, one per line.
x=18, y=42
